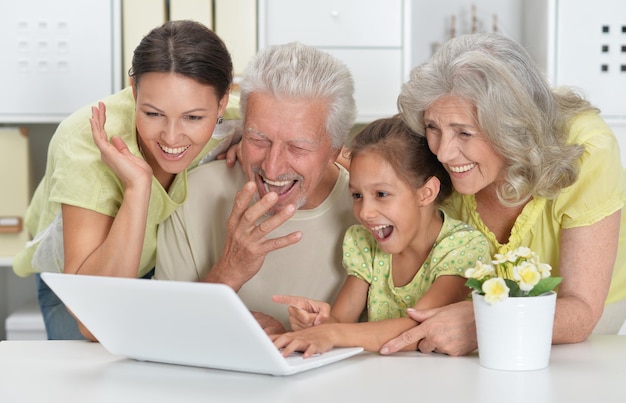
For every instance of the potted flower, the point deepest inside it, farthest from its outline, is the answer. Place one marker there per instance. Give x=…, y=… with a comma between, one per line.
x=516, y=274
x=514, y=302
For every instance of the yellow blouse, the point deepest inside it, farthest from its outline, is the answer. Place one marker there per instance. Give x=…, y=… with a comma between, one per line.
x=598, y=192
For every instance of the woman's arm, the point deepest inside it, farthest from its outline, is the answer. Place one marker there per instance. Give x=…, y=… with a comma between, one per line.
x=587, y=259
x=586, y=264
x=95, y=243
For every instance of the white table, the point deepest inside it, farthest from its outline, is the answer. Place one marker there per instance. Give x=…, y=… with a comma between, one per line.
x=74, y=371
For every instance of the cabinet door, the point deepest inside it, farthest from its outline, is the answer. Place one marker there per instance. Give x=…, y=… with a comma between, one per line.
x=378, y=79
x=55, y=61
x=370, y=36
x=333, y=23
x=592, y=56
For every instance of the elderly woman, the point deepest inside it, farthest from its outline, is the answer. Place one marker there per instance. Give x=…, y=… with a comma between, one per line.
x=531, y=166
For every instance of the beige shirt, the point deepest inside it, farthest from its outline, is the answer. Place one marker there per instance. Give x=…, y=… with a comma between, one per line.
x=191, y=241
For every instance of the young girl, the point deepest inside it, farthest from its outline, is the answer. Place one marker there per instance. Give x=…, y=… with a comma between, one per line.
x=405, y=254
x=97, y=208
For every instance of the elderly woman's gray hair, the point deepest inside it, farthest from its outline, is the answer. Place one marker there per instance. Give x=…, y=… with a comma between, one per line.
x=523, y=118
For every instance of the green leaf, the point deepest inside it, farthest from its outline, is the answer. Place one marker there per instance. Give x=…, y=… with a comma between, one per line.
x=475, y=284
x=544, y=285
x=514, y=290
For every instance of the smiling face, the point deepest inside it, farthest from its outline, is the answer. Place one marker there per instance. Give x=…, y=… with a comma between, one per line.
x=175, y=118
x=285, y=149
x=383, y=203
x=454, y=136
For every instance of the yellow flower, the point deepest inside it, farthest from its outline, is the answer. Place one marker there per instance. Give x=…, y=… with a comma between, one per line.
x=524, y=253
x=480, y=271
x=527, y=275
x=544, y=269
x=495, y=290
x=499, y=258
x=517, y=273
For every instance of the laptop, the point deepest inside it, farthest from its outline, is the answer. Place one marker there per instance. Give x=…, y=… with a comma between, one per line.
x=175, y=322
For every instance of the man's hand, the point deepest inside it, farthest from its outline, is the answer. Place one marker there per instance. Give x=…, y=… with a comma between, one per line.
x=247, y=241
x=268, y=323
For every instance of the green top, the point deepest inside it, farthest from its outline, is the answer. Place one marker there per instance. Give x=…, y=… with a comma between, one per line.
x=75, y=175
x=456, y=249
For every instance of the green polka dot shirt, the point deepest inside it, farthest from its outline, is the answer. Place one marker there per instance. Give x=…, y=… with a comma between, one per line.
x=457, y=248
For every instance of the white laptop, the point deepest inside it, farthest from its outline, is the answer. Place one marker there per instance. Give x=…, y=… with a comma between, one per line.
x=186, y=323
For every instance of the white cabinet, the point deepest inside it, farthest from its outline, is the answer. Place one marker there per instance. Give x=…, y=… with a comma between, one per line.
x=582, y=44
x=57, y=56
x=371, y=36
x=592, y=56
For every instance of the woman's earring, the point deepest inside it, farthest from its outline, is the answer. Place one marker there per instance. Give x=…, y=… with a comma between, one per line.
x=220, y=120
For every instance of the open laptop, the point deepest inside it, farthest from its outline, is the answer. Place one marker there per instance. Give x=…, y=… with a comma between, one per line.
x=187, y=323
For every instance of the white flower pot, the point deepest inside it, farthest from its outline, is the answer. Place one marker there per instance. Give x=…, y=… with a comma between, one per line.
x=515, y=334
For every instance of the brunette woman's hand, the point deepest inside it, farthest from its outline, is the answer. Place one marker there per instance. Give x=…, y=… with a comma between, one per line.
x=131, y=169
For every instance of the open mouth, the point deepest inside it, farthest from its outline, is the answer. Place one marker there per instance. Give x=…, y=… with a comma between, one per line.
x=382, y=232
x=174, y=151
x=279, y=187
x=461, y=168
